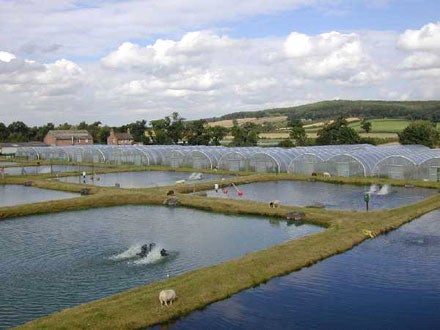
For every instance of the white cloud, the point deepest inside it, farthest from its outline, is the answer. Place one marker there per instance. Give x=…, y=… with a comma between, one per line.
x=297, y=45
x=426, y=38
x=333, y=55
x=421, y=60
x=204, y=73
x=6, y=57
x=61, y=26
x=422, y=49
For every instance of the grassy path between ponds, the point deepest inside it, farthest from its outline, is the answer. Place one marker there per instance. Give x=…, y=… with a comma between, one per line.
x=140, y=307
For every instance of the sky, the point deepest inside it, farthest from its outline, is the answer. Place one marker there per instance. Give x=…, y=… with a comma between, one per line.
x=120, y=61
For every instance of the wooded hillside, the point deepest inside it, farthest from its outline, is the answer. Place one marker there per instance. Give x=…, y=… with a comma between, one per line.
x=411, y=110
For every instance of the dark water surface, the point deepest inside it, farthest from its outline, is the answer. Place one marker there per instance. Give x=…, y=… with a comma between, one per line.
x=390, y=282
x=55, y=261
x=144, y=179
x=16, y=194
x=327, y=195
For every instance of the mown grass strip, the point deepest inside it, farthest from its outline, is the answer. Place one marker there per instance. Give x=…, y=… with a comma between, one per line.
x=139, y=308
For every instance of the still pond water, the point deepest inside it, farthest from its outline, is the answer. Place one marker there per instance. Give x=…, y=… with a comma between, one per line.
x=143, y=179
x=16, y=194
x=56, y=261
x=390, y=282
x=330, y=196
x=19, y=170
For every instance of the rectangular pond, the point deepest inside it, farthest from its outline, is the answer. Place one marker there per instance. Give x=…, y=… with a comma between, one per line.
x=24, y=170
x=16, y=194
x=327, y=195
x=390, y=282
x=143, y=179
x=55, y=261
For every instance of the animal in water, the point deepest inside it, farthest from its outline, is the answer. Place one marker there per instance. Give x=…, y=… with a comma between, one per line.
x=326, y=174
x=163, y=253
x=167, y=296
x=274, y=203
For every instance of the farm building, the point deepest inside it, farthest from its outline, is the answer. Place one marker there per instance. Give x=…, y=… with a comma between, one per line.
x=68, y=138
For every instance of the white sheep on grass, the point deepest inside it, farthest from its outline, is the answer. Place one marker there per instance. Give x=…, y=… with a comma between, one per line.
x=167, y=296
x=274, y=203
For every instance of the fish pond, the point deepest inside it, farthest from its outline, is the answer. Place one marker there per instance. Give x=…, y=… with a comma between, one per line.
x=11, y=195
x=143, y=179
x=41, y=169
x=390, y=282
x=325, y=195
x=54, y=261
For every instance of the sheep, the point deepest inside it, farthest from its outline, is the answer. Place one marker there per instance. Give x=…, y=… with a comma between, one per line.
x=274, y=203
x=326, y=174
x=167, y=296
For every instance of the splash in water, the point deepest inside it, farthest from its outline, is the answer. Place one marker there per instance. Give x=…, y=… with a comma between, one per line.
x=152, y=257
x=132, y=255
x=374, y=188
x=384, y=190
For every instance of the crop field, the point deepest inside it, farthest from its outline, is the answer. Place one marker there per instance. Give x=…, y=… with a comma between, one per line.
x=383, y=125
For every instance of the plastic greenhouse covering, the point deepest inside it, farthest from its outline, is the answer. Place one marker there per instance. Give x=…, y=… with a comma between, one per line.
x=396, y=161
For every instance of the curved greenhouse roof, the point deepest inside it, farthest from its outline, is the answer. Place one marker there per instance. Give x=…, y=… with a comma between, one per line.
x=359, y=160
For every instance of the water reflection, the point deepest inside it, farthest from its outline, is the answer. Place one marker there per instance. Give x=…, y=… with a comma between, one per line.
x=325, y=195
x=26, y=170
x=60, y=260
x=142, y=179
x=391, y=282
x=15, y=194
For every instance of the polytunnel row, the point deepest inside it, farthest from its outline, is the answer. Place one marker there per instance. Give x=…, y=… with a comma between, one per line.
x=396, y=161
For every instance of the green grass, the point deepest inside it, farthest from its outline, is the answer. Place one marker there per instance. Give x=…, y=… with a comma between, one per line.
x=140, y=307
x=383, y=125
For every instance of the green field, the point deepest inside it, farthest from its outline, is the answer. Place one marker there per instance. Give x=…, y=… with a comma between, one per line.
x=383, y=125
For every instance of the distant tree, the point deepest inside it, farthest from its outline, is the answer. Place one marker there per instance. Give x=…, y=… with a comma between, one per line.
x=366, y=126
x=244, y=136
x=337, y=132
x=82, y=125
x=18, y=132
x=159, y=132
x=65, y=126
x=137, y=130
x=218, y=133
x=176, y=128
x=102, y=135
x=286, y=143
x=4, y=133
x=420, y=132
x=42, y=131
x=198, y=133
x=297, y=132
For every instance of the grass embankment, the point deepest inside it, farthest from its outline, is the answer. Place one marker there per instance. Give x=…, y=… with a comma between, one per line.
x=139, y=308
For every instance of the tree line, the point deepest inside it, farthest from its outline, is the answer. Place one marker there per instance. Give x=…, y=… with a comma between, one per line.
x=325, y=110
x=174, y=129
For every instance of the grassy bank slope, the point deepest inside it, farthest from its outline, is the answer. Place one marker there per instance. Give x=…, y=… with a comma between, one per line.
x=139, y=308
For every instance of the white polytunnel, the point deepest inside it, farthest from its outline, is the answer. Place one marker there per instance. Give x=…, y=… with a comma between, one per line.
x=394, y=161
x=306, y=164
